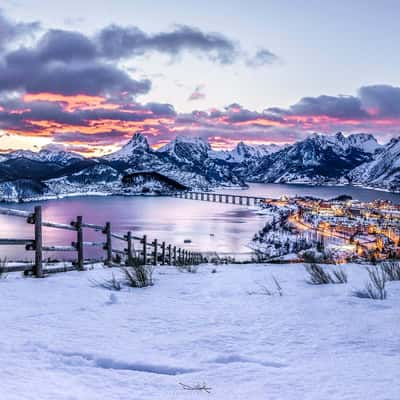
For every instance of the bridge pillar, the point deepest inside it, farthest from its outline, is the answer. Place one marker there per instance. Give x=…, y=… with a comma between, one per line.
x=214, y=197
x=241, y=200
x=226, y=198
x=208, y=196
x=196, y=196
x=233, y=199
x=201, y=196
x=220, y=198
x=248, y=201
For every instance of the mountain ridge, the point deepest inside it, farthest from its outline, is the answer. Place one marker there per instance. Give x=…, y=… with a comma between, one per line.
x=191, y=162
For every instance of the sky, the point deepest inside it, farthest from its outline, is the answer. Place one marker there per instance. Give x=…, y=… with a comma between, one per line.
x=86, y=75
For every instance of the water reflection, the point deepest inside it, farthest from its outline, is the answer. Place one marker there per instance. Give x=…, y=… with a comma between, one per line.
x=210, y=226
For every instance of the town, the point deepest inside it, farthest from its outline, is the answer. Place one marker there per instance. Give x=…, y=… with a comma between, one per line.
x=344, y=228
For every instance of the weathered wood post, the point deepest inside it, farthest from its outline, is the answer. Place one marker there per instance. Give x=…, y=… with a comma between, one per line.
x=179, y=255
x=108, y=244
x=129, y=246
x=163, y=253
x=38, y=268
x=144, y=242
x=79, y=242
x=155, y=252
x=169, y=254
x=174, y=255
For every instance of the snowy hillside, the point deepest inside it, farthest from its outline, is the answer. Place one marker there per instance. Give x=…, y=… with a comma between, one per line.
x=44, y=155
x=383, y=171
x=243, y=152
x=186, y=150
x=63, y=338
x=317, y=159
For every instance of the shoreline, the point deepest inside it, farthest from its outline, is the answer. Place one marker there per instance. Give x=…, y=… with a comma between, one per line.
x=152, y=194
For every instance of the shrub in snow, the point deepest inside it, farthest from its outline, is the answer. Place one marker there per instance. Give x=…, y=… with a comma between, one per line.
x=266, y=291
x=340, y=276
x=138, y=275
x=391, y=270
x=376, y=287
x=3, y=264
x=109, y=284
x=318, y=276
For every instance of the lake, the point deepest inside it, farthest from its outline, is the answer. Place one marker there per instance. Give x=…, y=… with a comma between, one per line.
x=210, y=226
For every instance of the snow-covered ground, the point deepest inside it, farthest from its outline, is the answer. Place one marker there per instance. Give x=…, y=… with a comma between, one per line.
x=64, y=338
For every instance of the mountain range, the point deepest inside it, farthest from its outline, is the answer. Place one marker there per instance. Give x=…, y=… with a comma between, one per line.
x=191, y=162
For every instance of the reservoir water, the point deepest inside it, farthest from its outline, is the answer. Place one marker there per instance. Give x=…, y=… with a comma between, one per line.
x=209, y=226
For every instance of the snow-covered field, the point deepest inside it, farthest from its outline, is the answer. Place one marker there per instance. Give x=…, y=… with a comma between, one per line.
x=63, y=338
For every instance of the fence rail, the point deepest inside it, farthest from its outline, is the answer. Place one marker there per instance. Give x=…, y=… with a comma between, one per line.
x=154, y=252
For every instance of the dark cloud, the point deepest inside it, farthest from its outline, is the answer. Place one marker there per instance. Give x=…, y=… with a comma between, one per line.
x=117, y=42
x=261, y=58
x=65, y=46
x=101, y=138
x=343, y=107
x=47, y=69
x=382, y=100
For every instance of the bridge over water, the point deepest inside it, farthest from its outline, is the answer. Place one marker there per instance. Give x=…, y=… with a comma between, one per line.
x=221, y=198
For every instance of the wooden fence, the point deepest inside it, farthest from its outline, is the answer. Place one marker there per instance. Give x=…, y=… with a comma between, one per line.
x=151, y=252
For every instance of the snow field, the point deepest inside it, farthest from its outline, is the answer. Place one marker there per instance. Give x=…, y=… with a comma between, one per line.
x=63, y=338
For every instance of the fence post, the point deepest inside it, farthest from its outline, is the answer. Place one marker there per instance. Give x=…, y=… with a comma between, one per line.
x=129, y=249
x=144, y=241
x=79, y=242
x=169, y=254
x=163, y=253
x=155, y=252
x=108, y=246
x=180, y=255
x=38, y=269
x=174, y=255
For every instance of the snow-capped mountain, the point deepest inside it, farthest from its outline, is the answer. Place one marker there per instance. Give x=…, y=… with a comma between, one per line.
x=44, y=155
x=184, y=159
x=137, y=146
x=243, y=152
x=317, y=159
x=186, y=150
x=191, y=162
x=383, y=171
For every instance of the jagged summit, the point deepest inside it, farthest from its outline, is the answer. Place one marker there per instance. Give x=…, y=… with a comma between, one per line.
x=183, y=148
x=138, y=143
